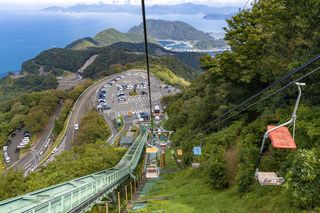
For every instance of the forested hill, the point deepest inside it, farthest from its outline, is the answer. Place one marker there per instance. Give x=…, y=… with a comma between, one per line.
x=267, y=41
x=111, y=59
x=107, y=37
x=176, y=30
x=157, y=30
x=189, y=58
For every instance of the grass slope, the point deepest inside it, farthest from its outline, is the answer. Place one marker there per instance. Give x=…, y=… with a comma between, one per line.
x=168, y=76
x=188, y=193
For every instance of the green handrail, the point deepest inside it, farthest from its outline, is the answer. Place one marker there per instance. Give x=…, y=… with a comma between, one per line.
x=77, y=194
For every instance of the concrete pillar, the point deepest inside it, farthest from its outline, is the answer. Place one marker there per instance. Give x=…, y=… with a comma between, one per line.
x=119, y=202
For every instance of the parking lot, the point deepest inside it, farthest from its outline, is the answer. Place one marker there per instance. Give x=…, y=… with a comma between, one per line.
x=129, y=94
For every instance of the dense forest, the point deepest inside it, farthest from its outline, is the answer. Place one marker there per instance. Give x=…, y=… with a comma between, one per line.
x=267, y=41
x=10, y=87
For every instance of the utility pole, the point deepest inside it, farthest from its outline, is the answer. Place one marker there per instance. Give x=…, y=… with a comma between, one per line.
x=163, y=156
x=147, y=60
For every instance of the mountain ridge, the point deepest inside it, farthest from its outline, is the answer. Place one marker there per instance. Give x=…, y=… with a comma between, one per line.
x=175, y=30
x=185, y=8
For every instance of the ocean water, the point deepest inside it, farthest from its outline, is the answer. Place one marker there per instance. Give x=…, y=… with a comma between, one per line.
x=24, y=34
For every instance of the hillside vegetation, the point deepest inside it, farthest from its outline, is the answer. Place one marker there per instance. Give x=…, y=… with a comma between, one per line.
x=267, y=41
x=112, y=59
x=175, y=30
x=187, y=193
x=10, y=87
x=34, y=109
x=91, y=155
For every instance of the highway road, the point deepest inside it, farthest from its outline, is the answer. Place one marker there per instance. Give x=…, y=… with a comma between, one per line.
x=88, y=100
x=31, y=158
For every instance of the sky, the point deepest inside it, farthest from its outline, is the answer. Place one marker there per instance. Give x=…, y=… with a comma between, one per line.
x=41, y=3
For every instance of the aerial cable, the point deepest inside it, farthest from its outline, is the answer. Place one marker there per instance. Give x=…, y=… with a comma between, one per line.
x=245, y=6
x=147, y=60
x=271, y=94
x=283, y=78
x=204, y=129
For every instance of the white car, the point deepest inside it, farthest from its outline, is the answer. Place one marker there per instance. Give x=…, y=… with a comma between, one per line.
x=25, y=141
x=8, y=159
x=121, y=99
x=5, y=148
x=130, y=86
x=21, y=145
x=76, y=126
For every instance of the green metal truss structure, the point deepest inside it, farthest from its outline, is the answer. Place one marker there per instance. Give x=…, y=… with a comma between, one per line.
x=80, y=194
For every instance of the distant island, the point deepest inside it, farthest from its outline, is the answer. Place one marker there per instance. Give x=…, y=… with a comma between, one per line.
x=217, y=16
x=178, y=36
x=186, y=8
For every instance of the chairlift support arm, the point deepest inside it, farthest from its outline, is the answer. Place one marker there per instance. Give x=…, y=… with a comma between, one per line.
x=291, y=121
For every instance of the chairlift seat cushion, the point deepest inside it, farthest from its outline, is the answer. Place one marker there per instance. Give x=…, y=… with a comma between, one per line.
x=269, y=178
x=281, y=138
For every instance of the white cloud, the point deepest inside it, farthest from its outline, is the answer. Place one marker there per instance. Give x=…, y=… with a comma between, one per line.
x=39, y=3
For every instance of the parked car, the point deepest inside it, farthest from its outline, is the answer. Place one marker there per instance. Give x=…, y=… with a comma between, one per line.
x=21, y=145
x=26, y=139
x=120, y=94
x=102, y=100
x=105, y=106
x=130, y=86
x=8, y=159
x=26, y=133
x=122, y=99
x=5, y=148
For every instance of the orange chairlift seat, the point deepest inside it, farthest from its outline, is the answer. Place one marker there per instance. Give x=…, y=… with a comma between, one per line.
x=280, y=138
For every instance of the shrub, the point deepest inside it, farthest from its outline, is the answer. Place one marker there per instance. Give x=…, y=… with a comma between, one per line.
x=214, y=168
x=303, y=179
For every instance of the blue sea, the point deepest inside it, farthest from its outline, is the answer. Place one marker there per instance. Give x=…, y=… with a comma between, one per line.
x=24, y=34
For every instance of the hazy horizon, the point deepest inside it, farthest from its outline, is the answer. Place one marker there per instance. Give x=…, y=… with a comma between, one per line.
x=37, y=4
